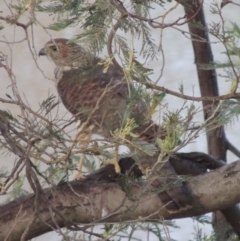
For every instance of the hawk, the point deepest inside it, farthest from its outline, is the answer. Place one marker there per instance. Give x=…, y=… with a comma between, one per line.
x=101, y=98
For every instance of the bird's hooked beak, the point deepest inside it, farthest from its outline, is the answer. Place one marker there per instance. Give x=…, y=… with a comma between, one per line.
x=42, y=52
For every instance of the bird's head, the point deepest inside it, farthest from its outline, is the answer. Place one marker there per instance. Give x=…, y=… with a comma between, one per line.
x=65, y=53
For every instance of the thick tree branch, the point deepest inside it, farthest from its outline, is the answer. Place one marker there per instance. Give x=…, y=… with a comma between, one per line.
x=85, y=202
x=209, y=87
x=207, y=161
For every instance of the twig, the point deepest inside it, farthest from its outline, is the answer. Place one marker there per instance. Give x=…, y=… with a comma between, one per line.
x=232, y=148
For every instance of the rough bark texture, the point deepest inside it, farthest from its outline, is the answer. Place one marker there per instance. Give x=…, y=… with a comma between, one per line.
x=209, y=87
x=101, y=198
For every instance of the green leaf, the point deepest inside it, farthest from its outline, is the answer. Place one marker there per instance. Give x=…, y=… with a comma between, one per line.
x=61, y=24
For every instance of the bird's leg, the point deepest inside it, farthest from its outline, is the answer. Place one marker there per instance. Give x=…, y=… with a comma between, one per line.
x=114, y=160
x=83, y=138
x=79, y=174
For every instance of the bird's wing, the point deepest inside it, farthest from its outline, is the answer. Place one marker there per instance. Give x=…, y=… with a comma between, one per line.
x=106, y=99
x=82, y=90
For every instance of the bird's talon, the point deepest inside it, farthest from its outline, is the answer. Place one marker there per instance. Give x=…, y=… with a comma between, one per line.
x=115, y=163
x=117, y=168
x=148, y=171
x=79, y=176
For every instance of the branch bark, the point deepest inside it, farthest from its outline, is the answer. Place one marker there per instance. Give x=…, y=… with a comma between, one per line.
x=209, y=87
x=99, y=199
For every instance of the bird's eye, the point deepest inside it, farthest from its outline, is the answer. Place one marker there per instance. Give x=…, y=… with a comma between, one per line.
x=54, y=48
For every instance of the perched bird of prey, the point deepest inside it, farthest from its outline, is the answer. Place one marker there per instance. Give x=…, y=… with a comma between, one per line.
x=103, y=100
x=98, y=98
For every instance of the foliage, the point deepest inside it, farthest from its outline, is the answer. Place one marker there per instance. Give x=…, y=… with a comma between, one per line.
x=43, y=139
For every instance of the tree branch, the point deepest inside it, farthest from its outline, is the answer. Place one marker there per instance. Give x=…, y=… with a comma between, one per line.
x=98, y=199
x=209, y=87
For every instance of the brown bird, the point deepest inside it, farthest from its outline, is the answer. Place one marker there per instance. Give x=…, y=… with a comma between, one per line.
x=102, y=100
